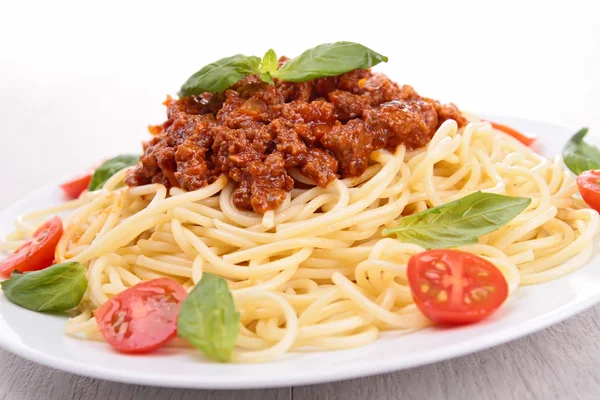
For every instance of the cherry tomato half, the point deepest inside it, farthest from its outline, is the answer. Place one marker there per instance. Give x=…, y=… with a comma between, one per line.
x=36, y=253
x=75, y=187
x=526, y=140
x=589, y=187
x=455, y=287
x=143, y=317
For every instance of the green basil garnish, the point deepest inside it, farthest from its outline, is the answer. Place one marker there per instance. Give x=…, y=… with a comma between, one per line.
x=110, y=167
x=459, y=222
x=56, y=288
x=208, y=319
x=329, y=59
x=15, y=273
x=268, y=66
x=221, y=74
x=580, y=156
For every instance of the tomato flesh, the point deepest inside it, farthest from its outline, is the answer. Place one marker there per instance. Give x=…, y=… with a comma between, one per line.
x=36, y=253
x=526, y=140
x=143, y=317
x=589, y=187
x=75, y=187
x=455, y=287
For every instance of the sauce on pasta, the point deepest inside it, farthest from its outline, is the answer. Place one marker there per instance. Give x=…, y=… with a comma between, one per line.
x=255, y=133
x=258, y=220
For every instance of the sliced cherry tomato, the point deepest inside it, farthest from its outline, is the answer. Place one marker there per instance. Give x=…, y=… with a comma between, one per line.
x=76, y=186
x=143, y=317
x=36, y=253
x=526, y=140
x=455, y=287
x=589, y=187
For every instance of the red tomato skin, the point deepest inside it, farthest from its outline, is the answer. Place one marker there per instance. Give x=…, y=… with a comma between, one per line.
x=589, y=187
x=75, y=187
x=38, y=252
x=151, y=321
x=450, y=312
x=526, y=140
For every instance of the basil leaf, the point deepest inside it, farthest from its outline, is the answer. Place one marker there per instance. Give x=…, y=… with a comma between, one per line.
x=268, y=65
x=15, y=273
x=219, y=75
x=329, y=59
x=269, y=62
x=460, y=222
x=57, y=288
x=208, y=319
x=110, y=167
x=580, y=156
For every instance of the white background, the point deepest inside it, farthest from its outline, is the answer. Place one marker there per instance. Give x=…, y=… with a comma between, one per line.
x=81, y=81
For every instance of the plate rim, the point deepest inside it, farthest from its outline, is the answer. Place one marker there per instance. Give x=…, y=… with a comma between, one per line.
x=345, y=372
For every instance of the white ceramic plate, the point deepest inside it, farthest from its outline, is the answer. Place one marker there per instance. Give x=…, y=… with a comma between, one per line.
x=40, y=338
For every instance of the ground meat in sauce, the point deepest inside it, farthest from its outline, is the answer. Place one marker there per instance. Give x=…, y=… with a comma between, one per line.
x=255, y=132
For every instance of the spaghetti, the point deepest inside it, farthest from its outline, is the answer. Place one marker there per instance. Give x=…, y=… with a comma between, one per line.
x=316, y=272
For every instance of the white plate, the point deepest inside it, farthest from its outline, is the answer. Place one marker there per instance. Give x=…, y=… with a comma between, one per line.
x=40, y=338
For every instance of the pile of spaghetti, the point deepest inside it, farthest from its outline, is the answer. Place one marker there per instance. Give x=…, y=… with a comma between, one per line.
x=323, y=276
x=317, y=271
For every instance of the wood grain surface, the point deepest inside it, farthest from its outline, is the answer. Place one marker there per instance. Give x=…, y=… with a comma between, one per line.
x=561, y=362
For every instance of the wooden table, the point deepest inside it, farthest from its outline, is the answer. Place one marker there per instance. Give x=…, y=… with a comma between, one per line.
x=79, y=83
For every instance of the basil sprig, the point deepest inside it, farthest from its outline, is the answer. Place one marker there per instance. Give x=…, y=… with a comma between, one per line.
x=580, y=156
x=57, y=288
x=208, y=319
x=218, y=76
x=329, y=59
x=110, y=167
x=268, y=65
x=460, y=222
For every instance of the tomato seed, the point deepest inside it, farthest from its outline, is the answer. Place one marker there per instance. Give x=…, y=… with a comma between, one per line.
x=432, y=275
x=440, y=265
x=442, y=296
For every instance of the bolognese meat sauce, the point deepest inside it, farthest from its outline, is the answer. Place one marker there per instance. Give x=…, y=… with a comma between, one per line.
x=255, y=132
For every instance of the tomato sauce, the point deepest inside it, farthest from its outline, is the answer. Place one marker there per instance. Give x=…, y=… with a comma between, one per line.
x=255, y=132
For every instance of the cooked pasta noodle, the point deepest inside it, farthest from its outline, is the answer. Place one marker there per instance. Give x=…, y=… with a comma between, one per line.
x=316, y=272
